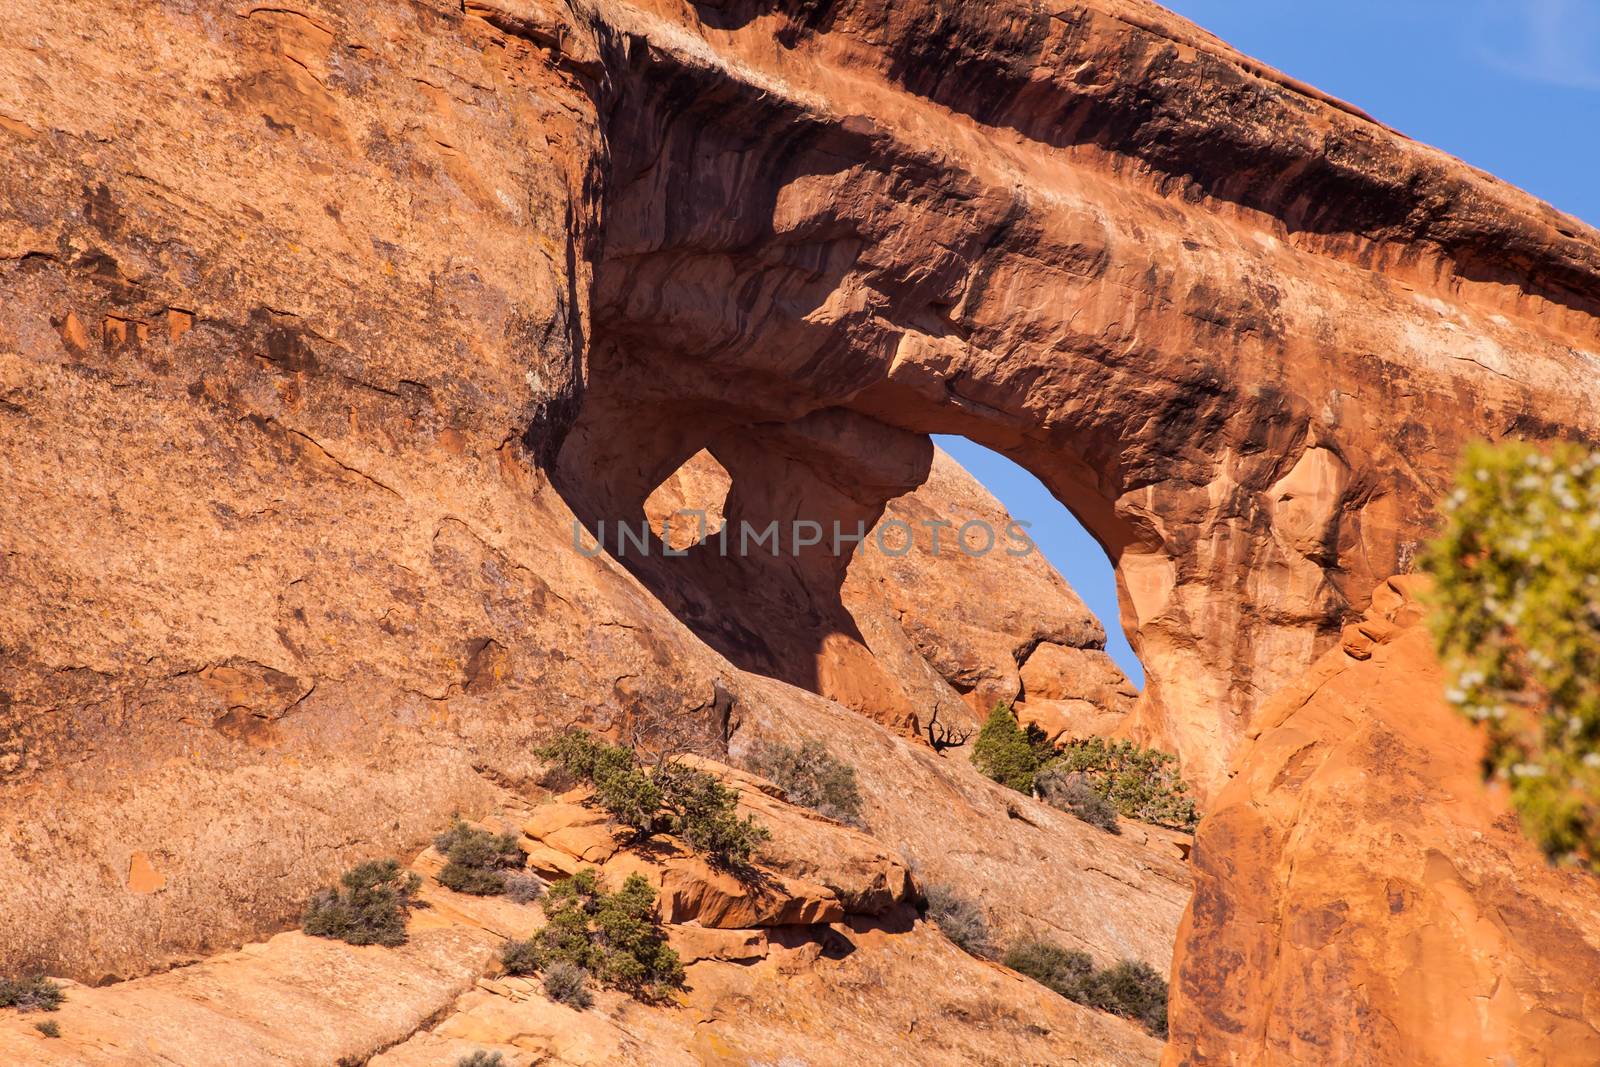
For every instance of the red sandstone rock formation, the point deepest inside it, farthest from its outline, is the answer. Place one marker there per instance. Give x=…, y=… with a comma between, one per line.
x=1240, y=328
x=1356, y=868
x=324, y=323
x=774, y=973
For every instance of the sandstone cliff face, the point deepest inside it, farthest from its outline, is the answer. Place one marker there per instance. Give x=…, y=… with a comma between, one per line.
x=325, y=323
x=1356, y=868
x=289, y=584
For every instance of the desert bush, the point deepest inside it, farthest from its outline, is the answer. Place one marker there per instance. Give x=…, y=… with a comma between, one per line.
x=1516, y=599
x=370, y=909
x=1072, y=793
x=705, y=813
x=615, y=937
x=481, y=1058
x=621, y=785
x=476, y=861
x=523, y=888
x=1008, y=752
x=670, y=797
x=809, y=775
x=30, y=994
x=1141, y=783
x=522, y=957
x=1131, y=989
x=1066, y=971
x=567, y=983
x=49, y=1028
x=960, y=920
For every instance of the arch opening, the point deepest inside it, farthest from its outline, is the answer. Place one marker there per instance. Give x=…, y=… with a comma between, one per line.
x=1063, y=539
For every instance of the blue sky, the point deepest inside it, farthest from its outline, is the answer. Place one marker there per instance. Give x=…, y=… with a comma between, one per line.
x=1510, y=86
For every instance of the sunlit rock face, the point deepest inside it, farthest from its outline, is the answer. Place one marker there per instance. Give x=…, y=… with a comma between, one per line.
x=1356, y=867
x=329, y=330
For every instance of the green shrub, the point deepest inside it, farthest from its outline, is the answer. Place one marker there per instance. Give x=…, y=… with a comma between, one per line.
x=615, y=937
x=960, y=920
x=1007, y=752
x=809, y=775
x=705, y=813
x=49, y=1028
x=567, y=983
x=1141, y=783
x=1516, y=576
x=481, y=1058
x=621, y=785
x=476, y=861
x=670, y=797
x=30, y=994
x=371, y=909
x=1072, y=792
x=1131, y=989
x=1066, y=971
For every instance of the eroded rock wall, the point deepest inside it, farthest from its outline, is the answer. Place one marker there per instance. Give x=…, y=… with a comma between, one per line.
x=294, y=306
x=1356, y=868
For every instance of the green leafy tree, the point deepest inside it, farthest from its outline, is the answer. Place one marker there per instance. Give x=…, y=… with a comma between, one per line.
x=704, y=812
x=615, y=937
x=369, y=909
x=621, y=785
x=1141, y=783
x=1516, y=575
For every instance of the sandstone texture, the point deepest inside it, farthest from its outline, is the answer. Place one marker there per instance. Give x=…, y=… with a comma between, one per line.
x=782, y=985
x=917, y=625
x=329, y=328
x=1356, y=867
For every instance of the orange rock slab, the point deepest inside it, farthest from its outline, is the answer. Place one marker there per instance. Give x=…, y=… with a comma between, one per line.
x=1361, y=898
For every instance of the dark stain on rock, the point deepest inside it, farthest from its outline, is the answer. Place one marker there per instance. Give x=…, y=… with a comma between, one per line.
x=100, y=211
x=486, y=665
x=288, y=351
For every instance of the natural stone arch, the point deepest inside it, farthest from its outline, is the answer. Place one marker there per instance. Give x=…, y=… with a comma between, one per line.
x=1175, y=354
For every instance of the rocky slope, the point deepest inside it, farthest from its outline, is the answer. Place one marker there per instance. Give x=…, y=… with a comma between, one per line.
x=778, y=969
x=325, y=322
